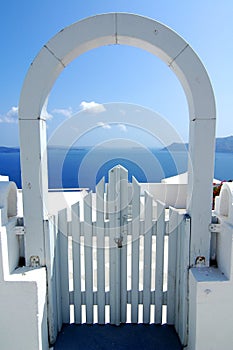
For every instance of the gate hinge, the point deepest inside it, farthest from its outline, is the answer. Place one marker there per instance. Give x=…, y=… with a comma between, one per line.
x=215, y=227
x=34, y=261
x=19, y=230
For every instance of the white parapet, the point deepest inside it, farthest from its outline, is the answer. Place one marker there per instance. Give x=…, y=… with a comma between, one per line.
x=210, y=310
x=4, y=178
x=170, y=194
x=23, y=316
x=211, y=289
x=8, y=200
x=23, y=299
x=224, y=203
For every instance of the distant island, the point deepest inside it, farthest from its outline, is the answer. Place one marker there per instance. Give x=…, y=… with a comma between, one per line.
x=223, y=145
x=9, y=149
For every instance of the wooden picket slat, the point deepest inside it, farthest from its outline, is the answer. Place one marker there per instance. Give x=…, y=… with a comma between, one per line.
x=135, y=249
x=159, y=262
x=117, y=229
x=75, y=230
x=183, y=292
x=64, y=269
x=172, y=260
x=50, y=240
x=100, y=251
x=124, y=229
x=147, y=258
x=57, y=274
x=178, y=273
x=88, y=257
x=114, y=251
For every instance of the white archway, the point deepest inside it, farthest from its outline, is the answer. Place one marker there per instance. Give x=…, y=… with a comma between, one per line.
x=68, y=44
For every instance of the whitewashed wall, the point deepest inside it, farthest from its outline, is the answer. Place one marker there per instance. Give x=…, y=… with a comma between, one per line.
x=23, y=300
x=211, y=289
x=174, y=195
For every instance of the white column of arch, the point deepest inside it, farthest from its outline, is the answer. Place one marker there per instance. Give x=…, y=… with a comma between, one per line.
x=93, y=32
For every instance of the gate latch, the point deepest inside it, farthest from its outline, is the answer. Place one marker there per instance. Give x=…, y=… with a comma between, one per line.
x=119, y=241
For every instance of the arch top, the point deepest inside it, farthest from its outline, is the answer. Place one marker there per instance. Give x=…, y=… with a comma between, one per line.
x=112, y=29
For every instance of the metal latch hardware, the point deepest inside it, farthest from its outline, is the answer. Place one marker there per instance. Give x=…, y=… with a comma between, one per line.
x=119, y=241
x=19, y=230
x=34, y=261
x=215, y=227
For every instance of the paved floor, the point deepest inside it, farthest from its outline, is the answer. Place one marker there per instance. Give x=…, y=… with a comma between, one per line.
x=124, y=337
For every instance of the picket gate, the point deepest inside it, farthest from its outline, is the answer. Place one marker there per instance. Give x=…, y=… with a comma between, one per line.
x=121, y=257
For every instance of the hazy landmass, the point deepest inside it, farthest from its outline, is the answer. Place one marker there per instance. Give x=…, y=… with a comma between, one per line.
x=223, y=145
x=9, y=149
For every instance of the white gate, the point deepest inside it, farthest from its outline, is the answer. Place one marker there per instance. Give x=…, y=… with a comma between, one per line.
x=121, y=258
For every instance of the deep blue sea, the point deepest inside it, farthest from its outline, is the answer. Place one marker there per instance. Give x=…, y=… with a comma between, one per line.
x=85, y=167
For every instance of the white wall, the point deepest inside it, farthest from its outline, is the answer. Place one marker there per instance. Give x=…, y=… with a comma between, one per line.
x=23, y=316
x=8, y=200
x=4, y=178
x=211, y=310
x=57, y=200
x=170, y=194
x=211, y=289
x=23, y=304
x=23, y=300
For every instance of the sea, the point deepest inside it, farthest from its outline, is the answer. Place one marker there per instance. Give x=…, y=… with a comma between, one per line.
x=85, y=167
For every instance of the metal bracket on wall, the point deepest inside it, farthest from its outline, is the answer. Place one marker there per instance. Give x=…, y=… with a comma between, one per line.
x=215, y=228
x=34, y=261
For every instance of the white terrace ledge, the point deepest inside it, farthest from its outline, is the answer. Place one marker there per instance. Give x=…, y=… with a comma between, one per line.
x=211, y=289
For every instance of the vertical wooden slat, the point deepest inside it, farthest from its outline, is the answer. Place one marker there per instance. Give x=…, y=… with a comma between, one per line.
x=57, y=273
x=172, y=260
x=117, y=249
x=147, y=258
x=123, y=226
x=75, y=227
x=51, y=278
x=159, y=262
x=100, y=251
x=88, y=257
x=115, y=252
x=178, y=274
x=64, y=269
x=112, y=245
x=135, y=249
x=185, y=241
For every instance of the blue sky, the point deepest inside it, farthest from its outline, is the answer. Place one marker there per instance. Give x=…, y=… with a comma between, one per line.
x=115, y=73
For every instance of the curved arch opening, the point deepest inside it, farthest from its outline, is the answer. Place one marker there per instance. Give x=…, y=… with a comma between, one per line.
x=151, y=36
